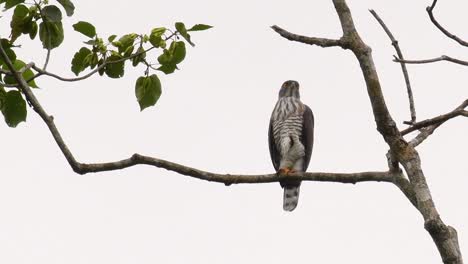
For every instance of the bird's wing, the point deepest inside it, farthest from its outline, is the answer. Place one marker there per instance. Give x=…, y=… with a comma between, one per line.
x=274, y=153
x=307, y=138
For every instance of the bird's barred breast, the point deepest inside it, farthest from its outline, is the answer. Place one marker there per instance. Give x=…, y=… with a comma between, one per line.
x=287, y=118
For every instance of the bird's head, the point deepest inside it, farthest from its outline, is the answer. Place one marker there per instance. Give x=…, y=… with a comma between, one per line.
x=289, y=88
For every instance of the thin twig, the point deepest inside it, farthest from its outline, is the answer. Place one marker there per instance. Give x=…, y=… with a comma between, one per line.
x=403, y=66
x=430, y=10
x=438, y=119
x=441, y=58
x=43, y=72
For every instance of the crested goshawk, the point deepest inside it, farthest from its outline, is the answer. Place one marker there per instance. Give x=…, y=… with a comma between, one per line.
x=290, y=138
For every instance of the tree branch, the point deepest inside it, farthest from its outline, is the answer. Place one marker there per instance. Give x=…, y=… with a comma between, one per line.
x=430, y=10
x=229, y=179
x=423, y=135
x=441, y=58
x=438, y=120
x=136, y=159
x=417, y=189
x=100, y=67
x=322, y=42
x=403, y=65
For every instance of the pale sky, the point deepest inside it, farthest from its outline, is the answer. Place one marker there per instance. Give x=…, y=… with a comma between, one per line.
x=213, y=115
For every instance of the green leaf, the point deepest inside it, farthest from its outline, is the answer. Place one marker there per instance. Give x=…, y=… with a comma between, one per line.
x=139, y=58
x=178, y=51
x=115, y=70
x=10, y=53
x=78, y=61
x=68, y=6
x=11, y=3
x=111, y=38
x=167, y=68
x=51, y=34
x=28, y=74
x=2, y=97
x=125, y=42
x=101, y=70
x=18, y=21
x=33, y=30
x=183, y=32
x=94, y=60
x=14, y=109
x=157, y=32
x=52, y=13
x=85, y=28
x=171, y=57
x=129, y=51
x=147, y=90
x=199, y=27
x=156, y=39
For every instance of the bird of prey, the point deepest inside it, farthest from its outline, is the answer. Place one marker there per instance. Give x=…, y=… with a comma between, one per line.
x=290, y=138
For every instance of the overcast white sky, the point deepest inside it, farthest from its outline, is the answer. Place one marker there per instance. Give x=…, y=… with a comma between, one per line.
x=213, y=115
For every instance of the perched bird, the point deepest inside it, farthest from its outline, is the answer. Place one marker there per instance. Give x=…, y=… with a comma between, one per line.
x=290, y=138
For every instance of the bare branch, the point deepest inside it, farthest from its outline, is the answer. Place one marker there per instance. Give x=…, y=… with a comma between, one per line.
x=417, y=189
x=430, y=10
x=322, y=42
x=438, y=120
x=229, y=179
x=403, y=66
x=441, y=58
x=137, y=159
x=423, y=135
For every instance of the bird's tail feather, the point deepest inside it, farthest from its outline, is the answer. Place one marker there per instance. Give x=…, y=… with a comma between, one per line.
x=290, y=197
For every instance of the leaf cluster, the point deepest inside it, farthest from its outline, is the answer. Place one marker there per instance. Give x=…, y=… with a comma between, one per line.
x=106, y=56
x=109, y=56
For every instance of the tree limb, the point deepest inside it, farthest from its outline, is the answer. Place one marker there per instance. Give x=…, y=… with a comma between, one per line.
x=444, y=236
x=441, y=58
x=322, y=42
x=136, y=159
x=430, y=10
x=423, y=135
x=403, y=65
x=438, y=120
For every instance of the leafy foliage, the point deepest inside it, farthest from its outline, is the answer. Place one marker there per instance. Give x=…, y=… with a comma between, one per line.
x=51, y=34
x=199, y=27
x=147, y=90
x=52, y=13
x=13, y=108
x=183, y=32
x=68, y=6
x=11, y=3
x=106, y=56
x=115, y=68
x=27, y=74
x=79, y=62
x=85, y=28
